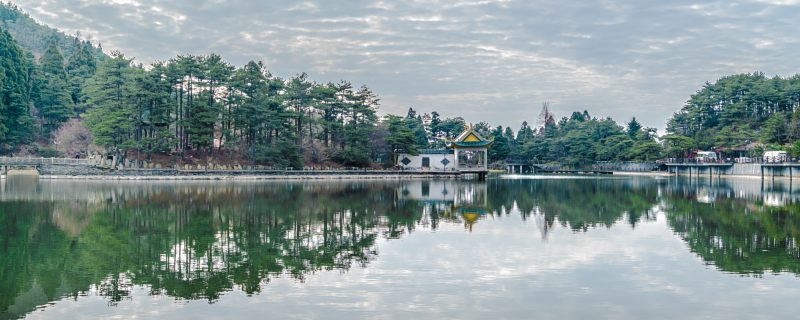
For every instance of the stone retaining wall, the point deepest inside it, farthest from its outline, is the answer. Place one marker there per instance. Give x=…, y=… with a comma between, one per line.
x=740, y=169
x=89, y=171
x=626, y=166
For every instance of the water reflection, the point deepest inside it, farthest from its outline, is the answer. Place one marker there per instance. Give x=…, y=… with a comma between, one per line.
x=199, y=240
x=736, y=225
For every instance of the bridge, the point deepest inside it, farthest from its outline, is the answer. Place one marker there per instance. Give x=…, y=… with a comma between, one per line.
x=779, y=167
x=12, y=163
x=698, y=167
x=722, y=168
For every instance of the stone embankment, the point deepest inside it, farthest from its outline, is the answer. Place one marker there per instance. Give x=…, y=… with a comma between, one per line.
x=173, y=174
x=96, y=169
x=626, y=166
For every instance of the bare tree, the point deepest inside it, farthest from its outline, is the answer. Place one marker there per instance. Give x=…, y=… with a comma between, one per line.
x=73, y=139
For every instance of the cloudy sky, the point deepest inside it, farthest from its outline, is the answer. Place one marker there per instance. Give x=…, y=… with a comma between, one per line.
x=485, y=60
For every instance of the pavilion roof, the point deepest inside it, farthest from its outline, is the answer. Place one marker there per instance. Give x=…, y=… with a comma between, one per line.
x=470, y=138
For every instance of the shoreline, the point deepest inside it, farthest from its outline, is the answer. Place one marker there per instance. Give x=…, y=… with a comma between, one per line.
x=693, y=176
x=254, y=177
x=347, y=176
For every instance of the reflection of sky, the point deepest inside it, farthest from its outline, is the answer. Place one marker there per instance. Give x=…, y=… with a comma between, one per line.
x=501, y=270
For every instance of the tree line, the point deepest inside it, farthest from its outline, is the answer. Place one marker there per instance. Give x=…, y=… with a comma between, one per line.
x=198, y=106
x=742, y=111
x=204, y=105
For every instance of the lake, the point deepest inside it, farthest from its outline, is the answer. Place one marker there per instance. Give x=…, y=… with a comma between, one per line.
x=518, y=247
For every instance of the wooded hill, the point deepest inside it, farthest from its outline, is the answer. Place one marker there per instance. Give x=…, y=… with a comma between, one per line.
x=35, y=38
x=737, y=111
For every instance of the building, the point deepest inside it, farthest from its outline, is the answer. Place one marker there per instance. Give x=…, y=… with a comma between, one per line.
x=468, y=153
x=450, y=200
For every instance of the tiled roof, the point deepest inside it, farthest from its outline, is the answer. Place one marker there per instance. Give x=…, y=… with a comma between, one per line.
x=472, y=144
x=435, y=151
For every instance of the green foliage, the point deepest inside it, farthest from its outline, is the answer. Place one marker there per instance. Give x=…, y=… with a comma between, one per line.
x=745, y=238
x=16, y=124
x=36, y=38
x=81, y=66
x=54, y=99
x=678, y=146
x=500, y=148
x=401, y=139
x=50, y=88
x=740, y=109
x=795, y=149
x=280, y=154
x=634, y=127
x=581, y=139
x=111, y=118
x=416, y=126
x=775, y=129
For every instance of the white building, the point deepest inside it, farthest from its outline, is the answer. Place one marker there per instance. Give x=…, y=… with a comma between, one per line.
x=468, y=153
x=427, y=160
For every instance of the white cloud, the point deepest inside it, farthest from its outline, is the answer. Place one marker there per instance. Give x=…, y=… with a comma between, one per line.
x=617, y=58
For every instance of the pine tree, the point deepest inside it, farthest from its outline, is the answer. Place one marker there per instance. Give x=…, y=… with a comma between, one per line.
x=53, y=99
x=81, y=66
x=634, y=127
x=501, y=148
x=111, y=117
x=16, y=125
x=401, y=138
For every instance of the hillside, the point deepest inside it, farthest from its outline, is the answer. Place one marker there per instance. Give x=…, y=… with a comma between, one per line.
x=738, y=112
x=35, y=37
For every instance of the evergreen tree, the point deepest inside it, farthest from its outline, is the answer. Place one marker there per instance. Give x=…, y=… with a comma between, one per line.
x=81, y=66
x=54, y=99
x=111, y=117
x=16, y=125
x=633, y=127
x=500, y=148
x=401, y=138
x=775, y=130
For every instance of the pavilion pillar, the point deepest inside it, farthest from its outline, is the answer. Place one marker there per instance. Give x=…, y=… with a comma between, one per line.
x=455, y=160
x=486, y=159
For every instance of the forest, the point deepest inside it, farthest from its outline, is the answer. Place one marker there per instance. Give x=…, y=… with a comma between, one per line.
x=749, y=112
x=63, y=96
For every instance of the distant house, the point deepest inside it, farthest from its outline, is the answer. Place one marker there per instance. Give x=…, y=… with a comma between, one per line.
x=467, y=153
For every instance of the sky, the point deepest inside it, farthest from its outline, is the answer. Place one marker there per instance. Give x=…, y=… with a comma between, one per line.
x=484, y=60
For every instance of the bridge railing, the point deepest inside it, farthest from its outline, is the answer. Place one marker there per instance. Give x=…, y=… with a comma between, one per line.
x=41, y=161
x=760, y=160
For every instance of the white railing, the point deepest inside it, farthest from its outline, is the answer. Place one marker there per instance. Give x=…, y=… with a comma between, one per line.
x=42, y=160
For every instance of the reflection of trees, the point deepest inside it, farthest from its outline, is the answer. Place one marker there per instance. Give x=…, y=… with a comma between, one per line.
x=736, y=235
x=195, y=243
x=578, y=204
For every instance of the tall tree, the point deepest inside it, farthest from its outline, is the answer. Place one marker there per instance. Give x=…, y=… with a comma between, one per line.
x=16, y=124
x=500, y=148
x=81, y=66
x=634, y=127
x=111, y=117
x=54, y=99
x=401, y=138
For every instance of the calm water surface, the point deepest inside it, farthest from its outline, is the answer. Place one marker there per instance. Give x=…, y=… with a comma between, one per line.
x=512, y=248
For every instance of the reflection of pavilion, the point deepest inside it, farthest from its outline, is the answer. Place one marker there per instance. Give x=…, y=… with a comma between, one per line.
x=449, y=200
